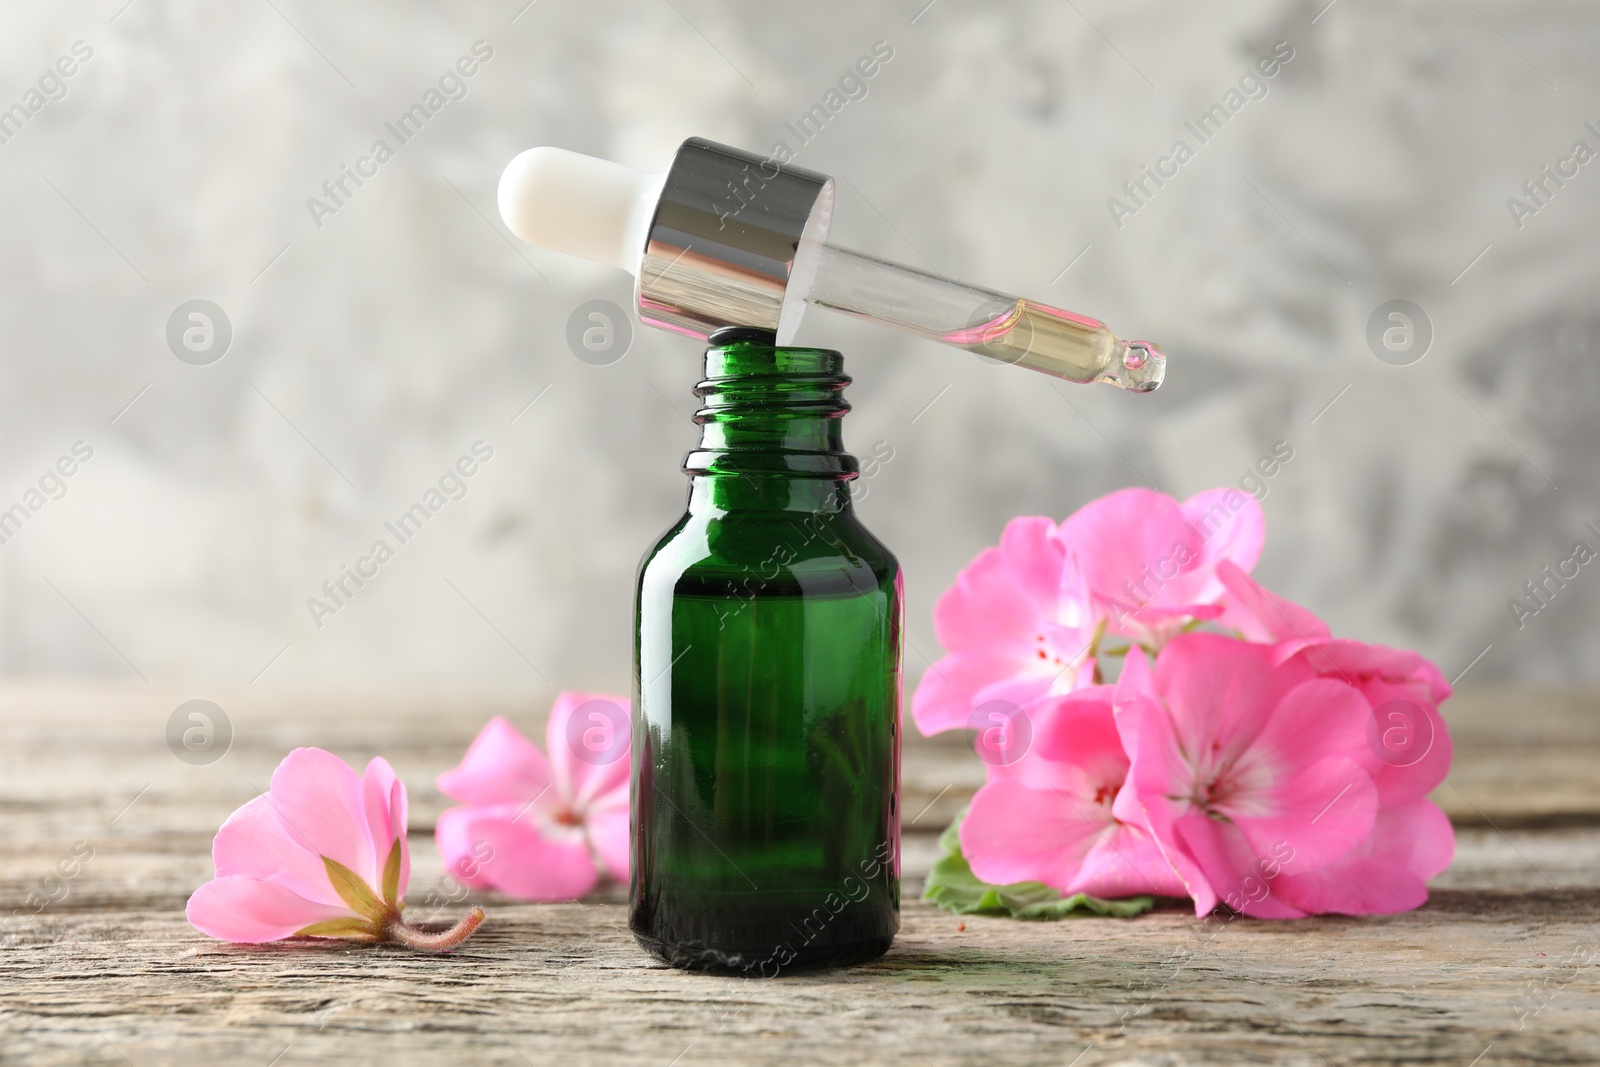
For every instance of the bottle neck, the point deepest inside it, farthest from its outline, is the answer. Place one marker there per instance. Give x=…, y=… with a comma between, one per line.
x=769, y=431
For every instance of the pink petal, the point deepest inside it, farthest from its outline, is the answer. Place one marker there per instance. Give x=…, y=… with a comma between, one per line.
x=1317, y=719
x=1135, y=690
x=1016, y=834
x=1402, y=689
x=1234, y=867
x=1120, y=536
x=1231, y=528
x=1035, y=557
x=1158, y=778
x=1304, y=779
x=1262, y=615
x=1069, y=748
x=399, y=805
x=1322, y=811
x=957, y=686
x=1354, y=885
x=1044, y=818
x=1220, y=692
x=252, y=910
x=945, y=697
x=587, y=738
x=1126, y=862
x=985, y=611
x=524, y=864
x=607, y=826
x=1387, y=873
x=254, y=843
x=1409, y=774
x=1150, y=562
x=322, y=803
x=1017, y=624
x=376, y=785
x=1417, y=835
x=501, y=767
x=1356, y=660
x=386, y=804
x=1022, y=689
x=462, y=854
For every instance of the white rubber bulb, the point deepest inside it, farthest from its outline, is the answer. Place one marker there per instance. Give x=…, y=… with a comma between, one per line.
x=573, y=203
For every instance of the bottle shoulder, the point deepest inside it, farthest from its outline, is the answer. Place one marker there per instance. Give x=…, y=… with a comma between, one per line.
x=794, y=551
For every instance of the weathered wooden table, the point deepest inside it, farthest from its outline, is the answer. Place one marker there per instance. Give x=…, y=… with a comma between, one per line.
x=1499, y=967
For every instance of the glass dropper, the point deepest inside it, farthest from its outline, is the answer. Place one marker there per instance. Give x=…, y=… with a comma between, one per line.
x=1005, y=328
x=726, y=238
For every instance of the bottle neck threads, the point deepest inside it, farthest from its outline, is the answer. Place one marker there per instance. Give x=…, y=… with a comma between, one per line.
x=769, y=429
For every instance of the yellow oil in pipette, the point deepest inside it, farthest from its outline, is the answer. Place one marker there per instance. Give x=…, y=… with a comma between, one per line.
x=1063, y=344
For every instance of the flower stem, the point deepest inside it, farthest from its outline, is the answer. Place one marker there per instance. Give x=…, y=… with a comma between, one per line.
x=396, y=930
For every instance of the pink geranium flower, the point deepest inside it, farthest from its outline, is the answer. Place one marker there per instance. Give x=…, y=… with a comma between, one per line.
x=1016, y=625
x=1247, y=771
x=322, y=853
x=1047, y=817
x=1149, y=563
x=1408, y=753
x=1282, y=774
x=538, y=827
x=1410, y=748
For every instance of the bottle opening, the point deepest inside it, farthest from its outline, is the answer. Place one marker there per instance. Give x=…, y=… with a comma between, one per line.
x=727, y=335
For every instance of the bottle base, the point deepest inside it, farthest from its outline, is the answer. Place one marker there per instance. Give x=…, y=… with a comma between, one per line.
x=765, y=963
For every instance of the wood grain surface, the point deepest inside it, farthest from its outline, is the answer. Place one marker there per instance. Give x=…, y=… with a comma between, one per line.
x=1500, y=967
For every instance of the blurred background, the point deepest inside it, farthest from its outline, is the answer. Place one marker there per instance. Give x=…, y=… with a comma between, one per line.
x=363, y=346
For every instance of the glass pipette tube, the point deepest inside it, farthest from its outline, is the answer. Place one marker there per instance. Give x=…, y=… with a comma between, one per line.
x=1004, y=328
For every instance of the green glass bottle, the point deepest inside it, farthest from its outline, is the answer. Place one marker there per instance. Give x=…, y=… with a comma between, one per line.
x=766, y=747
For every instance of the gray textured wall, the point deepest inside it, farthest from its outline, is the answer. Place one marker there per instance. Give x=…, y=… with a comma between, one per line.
x=370, y=351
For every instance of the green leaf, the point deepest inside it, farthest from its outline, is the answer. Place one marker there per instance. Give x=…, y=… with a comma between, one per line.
x=351, y=927
x=953, y=886
x=391, y=876
x=354, y=892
